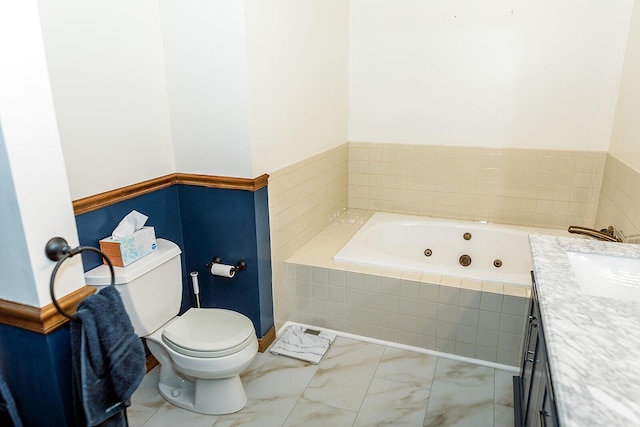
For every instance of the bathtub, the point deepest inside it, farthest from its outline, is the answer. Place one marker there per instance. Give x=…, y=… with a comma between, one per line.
x=494, y=253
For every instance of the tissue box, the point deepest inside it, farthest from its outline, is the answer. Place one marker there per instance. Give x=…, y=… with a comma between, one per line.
x=130, y=248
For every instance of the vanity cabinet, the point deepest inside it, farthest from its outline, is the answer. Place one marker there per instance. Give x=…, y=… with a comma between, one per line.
x=534, y=402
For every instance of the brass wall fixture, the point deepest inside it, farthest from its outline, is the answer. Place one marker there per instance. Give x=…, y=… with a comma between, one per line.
x=466, y=236
x=428, y=252
x=497, y=263
x=606, y=234
x=465, y=260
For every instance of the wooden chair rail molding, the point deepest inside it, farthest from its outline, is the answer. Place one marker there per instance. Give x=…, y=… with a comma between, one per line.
x=111, y=197
x=42, y=320
x=47, y=319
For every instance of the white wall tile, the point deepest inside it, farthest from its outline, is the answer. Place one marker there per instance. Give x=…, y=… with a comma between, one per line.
x=511, y=324
x=488, y=184
x=514, y=305
x=489, y=320
x=390, y=286
x=353, y=280
x=491, y=302
x=409, y=288
x=336, y=294
x=371, y=283
x=336, y=277
x=468, y=316
x=466, y=334
x=390, y=303
x=490, y=354
x=487, y=338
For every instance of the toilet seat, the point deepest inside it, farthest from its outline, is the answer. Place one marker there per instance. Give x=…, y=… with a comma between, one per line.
x=209, y=332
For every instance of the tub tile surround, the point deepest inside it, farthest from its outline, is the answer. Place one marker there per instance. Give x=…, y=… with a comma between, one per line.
x=619, y=203
x=303, y=199
x=357, y=383
x=528, y=187
x=540, y=188
x=469, y=318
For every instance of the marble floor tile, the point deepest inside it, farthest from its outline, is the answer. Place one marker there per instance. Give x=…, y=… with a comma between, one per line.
x=255, y=366
x=474, y=416
x=138, y=414
x=407, y=367
x=503, y=416
x=170, y=416
x=393, y=403
x=313, y=414
x=273, y=390
x=345, y=373
x=356, y=384
x=504, y=388
x=280, y=377
x=462, y=395
x=259, y=413
x=147, y=392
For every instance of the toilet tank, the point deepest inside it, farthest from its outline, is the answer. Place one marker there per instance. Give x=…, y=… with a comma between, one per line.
x=151, y=287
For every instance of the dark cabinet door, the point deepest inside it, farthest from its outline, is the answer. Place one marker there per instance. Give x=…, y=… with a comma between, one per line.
x=529, y=353
x=534, y=402
x=534, y=375
x=547, y=412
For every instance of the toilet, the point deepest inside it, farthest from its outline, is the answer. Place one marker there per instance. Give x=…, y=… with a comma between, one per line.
x=202, y=352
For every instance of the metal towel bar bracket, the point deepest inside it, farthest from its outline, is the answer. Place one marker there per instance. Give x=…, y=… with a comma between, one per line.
x=57, y=249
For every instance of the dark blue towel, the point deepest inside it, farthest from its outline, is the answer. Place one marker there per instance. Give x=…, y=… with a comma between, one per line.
x=108, y=360
x=8, y=410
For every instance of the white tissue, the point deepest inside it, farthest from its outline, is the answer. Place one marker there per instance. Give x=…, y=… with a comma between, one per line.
x=132, y=222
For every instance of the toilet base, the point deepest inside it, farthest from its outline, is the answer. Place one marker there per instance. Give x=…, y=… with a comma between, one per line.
x=211, y=397
x=208, y=385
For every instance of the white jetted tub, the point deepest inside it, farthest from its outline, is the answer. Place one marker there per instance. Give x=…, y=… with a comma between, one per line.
x=475, y=250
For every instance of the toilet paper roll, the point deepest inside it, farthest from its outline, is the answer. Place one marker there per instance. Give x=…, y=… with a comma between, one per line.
x=223, y=270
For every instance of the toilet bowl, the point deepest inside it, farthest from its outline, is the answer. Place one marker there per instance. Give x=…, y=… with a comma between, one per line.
x=201, y=355
x=202, y=352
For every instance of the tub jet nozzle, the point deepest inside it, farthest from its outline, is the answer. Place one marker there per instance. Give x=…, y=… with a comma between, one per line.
x=465, y=260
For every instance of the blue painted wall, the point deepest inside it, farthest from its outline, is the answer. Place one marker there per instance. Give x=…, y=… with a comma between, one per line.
x=224, y=223
x=161, y=206
x=204, y=222
x=263, y=246
x=38, y=372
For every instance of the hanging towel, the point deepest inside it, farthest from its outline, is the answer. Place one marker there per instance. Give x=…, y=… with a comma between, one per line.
x=108, y=360
x=8, y=410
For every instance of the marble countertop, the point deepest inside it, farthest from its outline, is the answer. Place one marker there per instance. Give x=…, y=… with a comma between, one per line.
x=593, y=343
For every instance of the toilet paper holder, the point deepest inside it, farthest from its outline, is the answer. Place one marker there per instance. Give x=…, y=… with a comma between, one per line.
x=240, y=265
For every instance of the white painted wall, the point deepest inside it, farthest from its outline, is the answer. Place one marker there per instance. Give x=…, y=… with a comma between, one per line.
x=298, y=76
x=506, y=73
x=207, y=80
x=229, y=88
x=35, y=203
x=107, y=72
x=625, y=138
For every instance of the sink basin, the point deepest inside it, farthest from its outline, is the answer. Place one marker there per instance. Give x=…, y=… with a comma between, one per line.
x=607, y=276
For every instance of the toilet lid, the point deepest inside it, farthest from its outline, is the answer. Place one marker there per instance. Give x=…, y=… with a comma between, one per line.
x=209, y=330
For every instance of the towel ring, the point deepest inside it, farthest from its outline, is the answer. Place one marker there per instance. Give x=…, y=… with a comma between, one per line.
x=57, y=249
